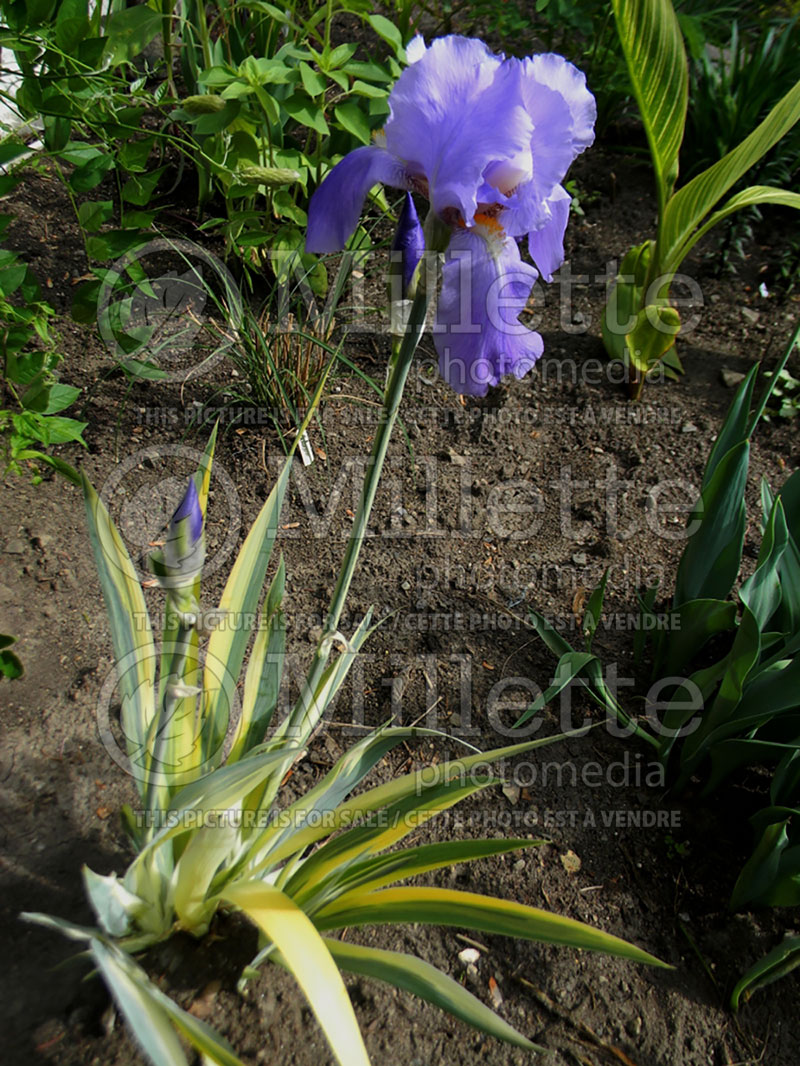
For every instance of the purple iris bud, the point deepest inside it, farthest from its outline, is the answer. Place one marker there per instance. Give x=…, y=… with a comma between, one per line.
x=189, y=516
x=409, y=241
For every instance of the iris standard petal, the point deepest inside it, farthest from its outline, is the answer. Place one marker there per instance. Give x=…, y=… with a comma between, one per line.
x=546, y=244
x=563, y=113
x=485, y=286
x=454, y=112
x=336, y=206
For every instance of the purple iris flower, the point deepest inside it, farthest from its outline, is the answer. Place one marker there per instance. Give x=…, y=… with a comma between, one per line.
x=488, y=141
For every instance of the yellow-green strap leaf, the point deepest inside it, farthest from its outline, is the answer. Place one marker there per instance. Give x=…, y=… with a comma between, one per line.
x=444, y=906
x=423, y=980
x=306, y=955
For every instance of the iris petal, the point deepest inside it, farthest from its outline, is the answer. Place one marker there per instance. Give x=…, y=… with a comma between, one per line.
x=455, y=111
x=563, y=113
x=485, y=286
x=336, y=205
x=546, y=244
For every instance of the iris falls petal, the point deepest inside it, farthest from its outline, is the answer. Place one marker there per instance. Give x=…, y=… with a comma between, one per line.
x=485, y=286
x=336, y=206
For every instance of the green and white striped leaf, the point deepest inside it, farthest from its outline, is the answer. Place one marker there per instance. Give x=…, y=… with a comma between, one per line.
x=131, y=632
x=425, y=981
x=468, y=910
x=228, y=643
x=146, y=1018
x=379, y=871
x=652, y=43
x=308, y=958
x=264, y=671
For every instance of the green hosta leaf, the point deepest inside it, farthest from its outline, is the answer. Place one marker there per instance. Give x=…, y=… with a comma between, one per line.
x=775, y=964
x=711, y=559
x=652, y=336
x=307, y=957
x=423, y=980
x=755, y=196
x=689, y=206
x=653, y=47
x=130, y=30
x=443, y=906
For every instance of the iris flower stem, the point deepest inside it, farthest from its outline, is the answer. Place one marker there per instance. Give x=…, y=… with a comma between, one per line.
x=305, y=715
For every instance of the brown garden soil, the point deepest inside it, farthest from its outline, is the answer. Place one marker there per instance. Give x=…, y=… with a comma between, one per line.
x=486, y=509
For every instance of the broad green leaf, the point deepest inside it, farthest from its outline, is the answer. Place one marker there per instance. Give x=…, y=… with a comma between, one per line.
x=131, y=633
x=146, y=1018
x=353, y=119
x=305, y=111
x=652, y=336
x=130, y=30
x=570, y=665
x=754, y=196
x=443, y=906
x=711, y=559
x=237, y=607
x=775, y=964
x=689, y=206
x=425, y=981
x=308, y=958
x=389, y=32
x=735, y=428
x=653, y=47
x=695, y=623
x=767, y=878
